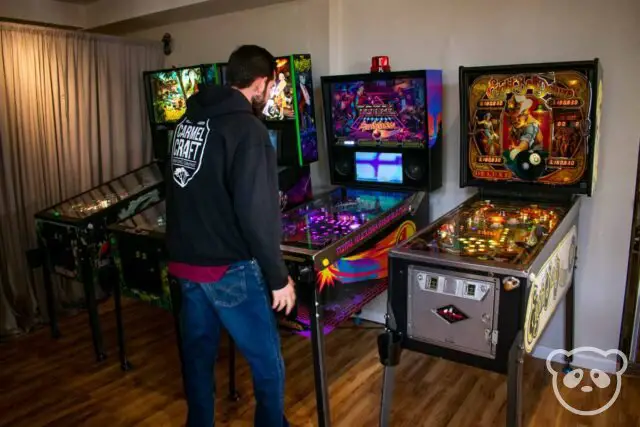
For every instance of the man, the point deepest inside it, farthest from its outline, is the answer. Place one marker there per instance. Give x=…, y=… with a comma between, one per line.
x=223, y=237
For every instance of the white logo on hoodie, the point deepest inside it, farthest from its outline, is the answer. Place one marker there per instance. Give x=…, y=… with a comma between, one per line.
x=187, y=149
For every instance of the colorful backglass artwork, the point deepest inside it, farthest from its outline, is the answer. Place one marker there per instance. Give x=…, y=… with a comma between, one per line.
x=379, y=167
x=279, y=104
x=306, y=108
x=391, y=110
x=170, y=91
x=529, y=127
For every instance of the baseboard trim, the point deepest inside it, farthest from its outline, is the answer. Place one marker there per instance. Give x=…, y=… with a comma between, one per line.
x=584, y=360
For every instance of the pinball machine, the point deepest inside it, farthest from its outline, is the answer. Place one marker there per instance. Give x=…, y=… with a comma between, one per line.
x=480, y=284
x=384, y=139
x=73, y=236
x=138, y=242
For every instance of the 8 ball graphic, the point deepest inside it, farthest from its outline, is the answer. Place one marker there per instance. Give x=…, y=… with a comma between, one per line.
x=529, y=165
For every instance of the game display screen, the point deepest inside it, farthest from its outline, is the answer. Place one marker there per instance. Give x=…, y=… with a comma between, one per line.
x=102, y=197
x=327, y=219
x=223, y=73
x=529, y=127
x=279, y=104
x=380, y=112
x=210, y=74
x=170, y=90
x=379, y=167
x=505, y=232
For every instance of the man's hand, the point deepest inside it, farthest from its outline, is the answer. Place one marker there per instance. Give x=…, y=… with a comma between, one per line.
x=285, y=297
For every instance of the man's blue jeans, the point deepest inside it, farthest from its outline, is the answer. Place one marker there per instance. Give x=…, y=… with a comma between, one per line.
x=240, y=303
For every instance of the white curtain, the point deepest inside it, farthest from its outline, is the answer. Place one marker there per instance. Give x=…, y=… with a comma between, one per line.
x=72, y=115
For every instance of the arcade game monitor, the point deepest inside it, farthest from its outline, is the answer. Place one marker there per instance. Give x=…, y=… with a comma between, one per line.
x=483, y=281
x=215, y=74
x=385, y=129
x=168, y=91
x=289, y=112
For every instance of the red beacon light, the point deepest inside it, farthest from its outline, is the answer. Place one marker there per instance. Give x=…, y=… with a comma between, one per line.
x=380, y=64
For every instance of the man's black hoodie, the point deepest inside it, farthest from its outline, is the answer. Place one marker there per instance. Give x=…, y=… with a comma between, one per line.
x=222, y=195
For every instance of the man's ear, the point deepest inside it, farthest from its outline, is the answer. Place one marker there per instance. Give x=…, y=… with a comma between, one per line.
x=261, y=84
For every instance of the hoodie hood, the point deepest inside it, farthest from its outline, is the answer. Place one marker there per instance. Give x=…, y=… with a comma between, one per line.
x=213, y=101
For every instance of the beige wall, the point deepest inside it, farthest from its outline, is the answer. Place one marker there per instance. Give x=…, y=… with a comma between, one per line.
x=342, y=35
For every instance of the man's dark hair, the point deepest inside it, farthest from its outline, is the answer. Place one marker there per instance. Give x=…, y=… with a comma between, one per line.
x=248, y=63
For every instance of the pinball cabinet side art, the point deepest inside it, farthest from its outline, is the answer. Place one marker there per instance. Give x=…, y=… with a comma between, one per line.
x=73, y=238
x=480, y=285
x=630, y=333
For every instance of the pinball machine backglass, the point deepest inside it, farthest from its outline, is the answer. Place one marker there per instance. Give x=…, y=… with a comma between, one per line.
x=533, y=125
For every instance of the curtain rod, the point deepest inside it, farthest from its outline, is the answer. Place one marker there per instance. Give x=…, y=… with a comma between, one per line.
x=74, y=31
x=38, y=24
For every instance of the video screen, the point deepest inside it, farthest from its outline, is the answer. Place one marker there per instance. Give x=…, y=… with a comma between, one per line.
x=170, y=91
x=223, y=73
x=279, y=105
x=379, y=167
x=379, y=111
x=210, y=76
x=274, y=135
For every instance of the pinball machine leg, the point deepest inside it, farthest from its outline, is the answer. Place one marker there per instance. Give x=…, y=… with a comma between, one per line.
x=234, y=396
x=92, y=308
x=569, y=323
x=319, y=368
x=389, y=350
x=514, y=382
x=43, y=260
x=122, y=351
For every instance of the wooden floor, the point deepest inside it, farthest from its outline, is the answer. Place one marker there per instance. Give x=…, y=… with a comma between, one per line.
x=56, y=383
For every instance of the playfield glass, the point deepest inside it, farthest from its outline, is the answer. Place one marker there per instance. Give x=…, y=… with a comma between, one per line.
x=170, y=91
x=327, y=219
x=504, y=232
x=389, y=112
x=152, y=219
x=529, y=127
x=99, y=198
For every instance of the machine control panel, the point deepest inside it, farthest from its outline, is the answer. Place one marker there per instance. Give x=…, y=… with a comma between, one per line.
x=450, y=285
